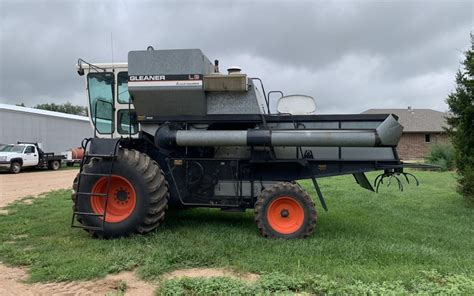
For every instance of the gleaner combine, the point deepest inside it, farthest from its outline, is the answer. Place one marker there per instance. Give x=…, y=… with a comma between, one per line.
x=171, y=130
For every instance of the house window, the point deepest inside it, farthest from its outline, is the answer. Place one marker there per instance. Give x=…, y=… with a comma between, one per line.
x=427, y=138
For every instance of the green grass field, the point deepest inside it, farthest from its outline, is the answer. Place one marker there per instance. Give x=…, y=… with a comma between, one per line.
x=418, y=240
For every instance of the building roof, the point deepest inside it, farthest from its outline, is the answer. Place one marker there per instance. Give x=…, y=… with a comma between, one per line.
x=42, y=112
x=416, y=120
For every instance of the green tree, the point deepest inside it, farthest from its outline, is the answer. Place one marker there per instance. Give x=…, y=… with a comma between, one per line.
x=461, y=123
x=64, y=108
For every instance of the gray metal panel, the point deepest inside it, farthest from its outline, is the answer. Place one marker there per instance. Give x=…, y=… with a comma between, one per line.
x=222, y=82
x=367, y=153
x=55, y=133
x=169, y=102
x=332, y=153
x=326, y=153
x=168, y=62
x=233, y=102
x=228, y=188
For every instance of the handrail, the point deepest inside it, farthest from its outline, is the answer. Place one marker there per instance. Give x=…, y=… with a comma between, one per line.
x=269, y=97
x=263, y=90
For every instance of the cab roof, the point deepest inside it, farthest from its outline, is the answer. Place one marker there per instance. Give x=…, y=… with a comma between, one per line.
x=104, y=65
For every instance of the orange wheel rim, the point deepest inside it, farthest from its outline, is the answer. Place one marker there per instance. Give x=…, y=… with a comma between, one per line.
x=285, y=215
x=121, y=202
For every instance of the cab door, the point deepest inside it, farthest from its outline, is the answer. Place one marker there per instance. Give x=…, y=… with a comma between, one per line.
x=30, y=156
x=100, y=86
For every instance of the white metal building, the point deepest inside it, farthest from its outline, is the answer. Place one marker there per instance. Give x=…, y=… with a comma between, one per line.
x=57, y=132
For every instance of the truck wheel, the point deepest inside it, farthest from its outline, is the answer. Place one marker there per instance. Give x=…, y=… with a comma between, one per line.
x=15, y=167
x=54, y=165
x=286, y=211
x=138, y=195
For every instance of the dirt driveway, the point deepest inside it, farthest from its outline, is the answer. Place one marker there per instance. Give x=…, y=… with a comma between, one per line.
x=15, y=186
x=33, y=183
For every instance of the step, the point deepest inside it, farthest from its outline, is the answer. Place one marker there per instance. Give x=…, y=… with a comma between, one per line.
x=90, y=193
x=99, y=155
x=88, y=214
x=95, y=174
x=88, y=227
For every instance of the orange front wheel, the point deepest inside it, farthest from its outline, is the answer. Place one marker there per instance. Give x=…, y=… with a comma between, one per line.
x=121, y=202
x=137, y=195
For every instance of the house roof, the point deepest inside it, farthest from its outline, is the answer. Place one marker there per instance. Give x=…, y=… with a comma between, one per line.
x=416, y=120
x=42, y=112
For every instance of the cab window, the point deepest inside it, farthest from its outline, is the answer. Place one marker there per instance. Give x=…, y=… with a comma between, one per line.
x=101, y=93
x=127, y=122
x=30, y=149
x=122, y=88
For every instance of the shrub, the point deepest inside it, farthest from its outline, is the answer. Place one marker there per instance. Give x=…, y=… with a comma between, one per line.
x=442, y=155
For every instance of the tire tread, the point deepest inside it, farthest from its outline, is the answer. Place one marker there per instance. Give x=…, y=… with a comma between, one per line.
x=156, y=186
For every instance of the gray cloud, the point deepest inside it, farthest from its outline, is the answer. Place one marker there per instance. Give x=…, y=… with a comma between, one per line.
x=350, y=56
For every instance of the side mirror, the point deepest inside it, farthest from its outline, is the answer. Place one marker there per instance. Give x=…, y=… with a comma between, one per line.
x=296, y=105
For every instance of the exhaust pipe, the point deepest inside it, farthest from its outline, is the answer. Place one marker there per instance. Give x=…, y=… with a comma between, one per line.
x=387, y=134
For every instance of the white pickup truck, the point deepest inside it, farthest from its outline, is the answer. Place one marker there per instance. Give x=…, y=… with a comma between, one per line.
x=15, y=157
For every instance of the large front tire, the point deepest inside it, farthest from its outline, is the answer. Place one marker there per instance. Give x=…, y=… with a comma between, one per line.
x=138, y=195
x=285, y=211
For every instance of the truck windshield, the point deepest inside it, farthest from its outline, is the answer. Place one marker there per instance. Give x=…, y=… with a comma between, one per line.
x=13, y=148
x=101, y=93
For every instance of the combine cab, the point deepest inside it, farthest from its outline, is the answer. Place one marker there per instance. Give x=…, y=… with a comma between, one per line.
x=171, y=130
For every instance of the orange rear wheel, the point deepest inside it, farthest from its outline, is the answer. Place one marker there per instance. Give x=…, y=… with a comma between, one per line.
x=285, y=214
x=121, y=202
x=285, y=210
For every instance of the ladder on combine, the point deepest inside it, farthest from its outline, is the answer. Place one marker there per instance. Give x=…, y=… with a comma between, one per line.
x=98, y=148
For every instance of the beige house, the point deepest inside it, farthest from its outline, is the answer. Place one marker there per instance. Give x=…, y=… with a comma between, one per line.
x=422, y=129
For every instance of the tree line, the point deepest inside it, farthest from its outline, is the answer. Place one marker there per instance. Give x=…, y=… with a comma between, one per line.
x=63, y=108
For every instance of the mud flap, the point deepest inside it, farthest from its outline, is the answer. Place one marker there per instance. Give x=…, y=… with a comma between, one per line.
x=362, y=180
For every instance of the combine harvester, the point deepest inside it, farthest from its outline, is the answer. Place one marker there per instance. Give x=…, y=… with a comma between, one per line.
x=171, y=130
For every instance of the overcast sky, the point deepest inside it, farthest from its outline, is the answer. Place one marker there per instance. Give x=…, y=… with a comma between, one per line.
x=350, y=56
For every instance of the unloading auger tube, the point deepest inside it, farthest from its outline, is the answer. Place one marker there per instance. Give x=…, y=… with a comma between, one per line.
x=387, y=134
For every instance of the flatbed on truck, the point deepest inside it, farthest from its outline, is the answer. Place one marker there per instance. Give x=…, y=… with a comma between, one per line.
x=15, y=157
